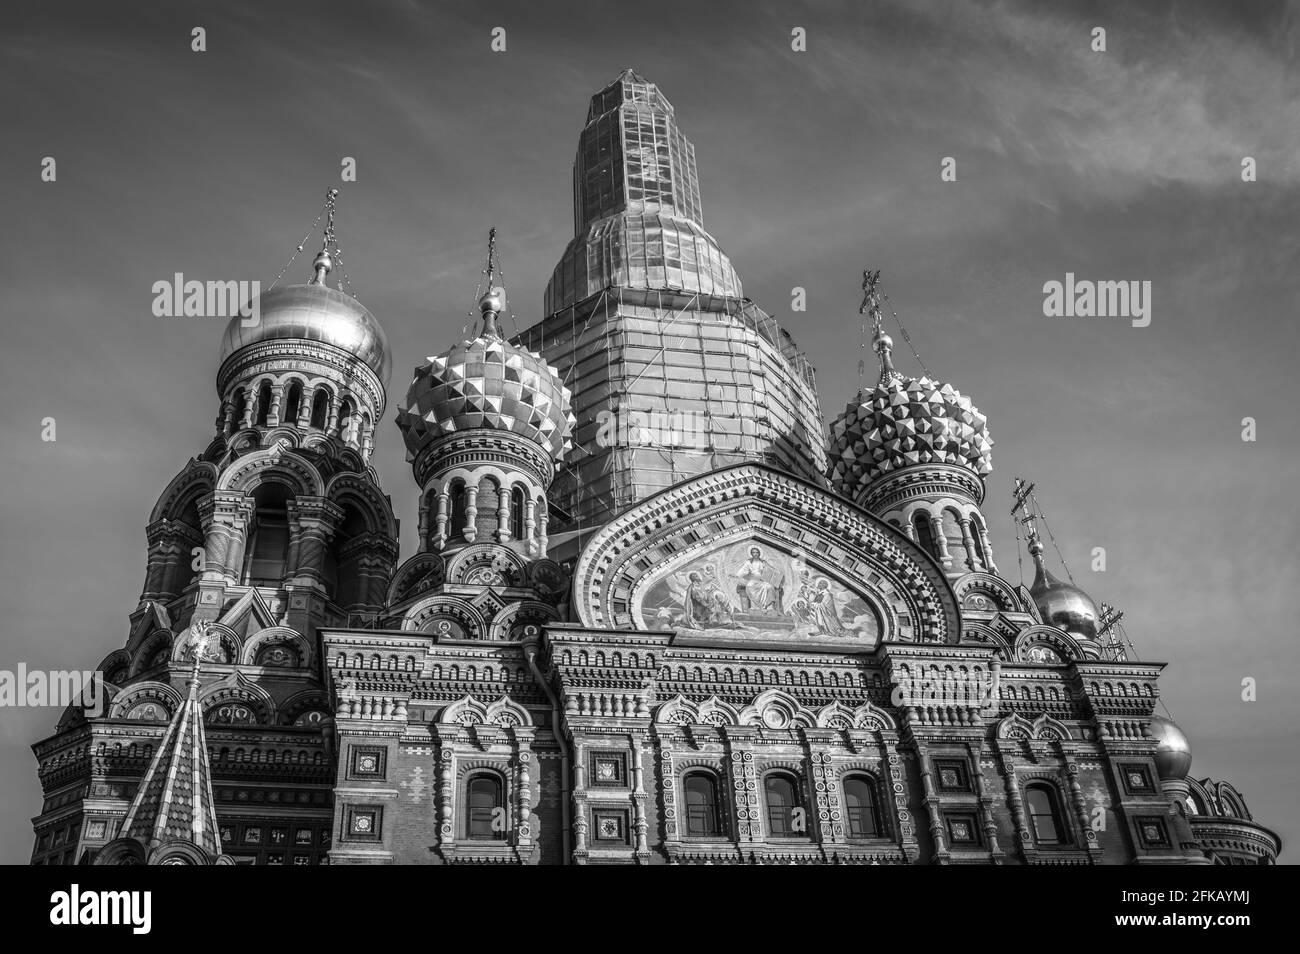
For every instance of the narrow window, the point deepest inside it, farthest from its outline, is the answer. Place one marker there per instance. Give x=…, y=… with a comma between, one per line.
x=702, y=819
x=485, y=808
x=783, y=808
x=320, y=408
x=924, y=535
x=860, y=805
x=517, y=514
x=263, y=403
x=1045, y=815
x=293, y=405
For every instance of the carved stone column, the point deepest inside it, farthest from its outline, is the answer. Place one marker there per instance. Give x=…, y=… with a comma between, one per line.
x=225, y=516
x=312, y=523
x=470, y=530
x=277, y=396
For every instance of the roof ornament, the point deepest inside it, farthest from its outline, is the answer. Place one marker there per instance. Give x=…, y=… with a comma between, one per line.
x=323, y=264
x=492, y=302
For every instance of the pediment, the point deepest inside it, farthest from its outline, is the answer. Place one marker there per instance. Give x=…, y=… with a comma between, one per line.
x=750, y=554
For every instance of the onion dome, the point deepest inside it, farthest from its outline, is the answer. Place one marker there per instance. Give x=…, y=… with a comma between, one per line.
x=314, y=313
x=1173, y=751
x=1060, y=604
x=904, y=421
x=488, y=383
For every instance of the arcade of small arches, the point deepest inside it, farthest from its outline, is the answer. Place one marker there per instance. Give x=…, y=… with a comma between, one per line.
x=954, y=534
x=483, y=504
x=304, y=403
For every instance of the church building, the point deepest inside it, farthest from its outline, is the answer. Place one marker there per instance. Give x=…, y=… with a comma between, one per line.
x=658, y=612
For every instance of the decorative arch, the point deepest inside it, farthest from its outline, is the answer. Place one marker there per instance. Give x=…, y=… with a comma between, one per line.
x=752, y=502
x=197, y=479
x=144, y=693
x=423, y=615
x=275, y=463
x=776, y=709
x=1045, y=644
x=985, y=592
x=359, y=491
x=421, y=572
x=303, y=704
x=258, y=647
x=1042, y=729
x=466, y=711
x=156, y=648
x=509, y=623
x=236, y=690
x=489, y=564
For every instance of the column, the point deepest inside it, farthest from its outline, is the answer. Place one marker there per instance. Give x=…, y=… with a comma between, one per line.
x=224, y=514
x=940, y=541
x=470, y=530
x=931, y=800
x=988, y=550
x=443, y=515
x=304, y=406
x=312, y=522
x=277, y=396
x=543, y=519
x=503, y=515
x=530, y=524
x=968, y=541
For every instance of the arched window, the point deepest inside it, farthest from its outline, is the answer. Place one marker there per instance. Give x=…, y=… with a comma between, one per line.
x=924, y=535
x=517, y=513
x=860, y=807
x=268, y=540
x=1045, y=815
x=702, y=817
x=293, y=405
x=263, y=403
x=785, y=817
x=345, y=419
x=241, y=406
x=456, y=510
x=485, y=808
x=320, y=408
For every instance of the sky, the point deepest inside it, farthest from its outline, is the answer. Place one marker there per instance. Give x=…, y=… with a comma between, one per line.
x=1117, y=165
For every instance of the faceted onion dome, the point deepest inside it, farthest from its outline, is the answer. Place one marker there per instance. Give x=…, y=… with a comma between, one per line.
x=1173, y=751
x=314, y=312
x=905, y=421
x=1060, y=604
x=488, y=383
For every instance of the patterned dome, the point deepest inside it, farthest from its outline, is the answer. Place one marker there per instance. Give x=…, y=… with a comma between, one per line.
x=487, y=383
x=905, y=421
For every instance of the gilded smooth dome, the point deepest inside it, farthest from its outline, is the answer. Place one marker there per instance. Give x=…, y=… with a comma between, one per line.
x=1064, y=605
x=1173, y=751
x=905, y=421
x=318, y=313
x=487, y=383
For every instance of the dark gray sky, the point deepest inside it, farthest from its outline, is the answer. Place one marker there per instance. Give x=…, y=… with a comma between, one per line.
x=1121, y=165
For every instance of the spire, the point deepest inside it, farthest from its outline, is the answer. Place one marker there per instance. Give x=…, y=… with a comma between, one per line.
x=174, y=801
x=323, y=264
x=493, y=301
x=881, y=343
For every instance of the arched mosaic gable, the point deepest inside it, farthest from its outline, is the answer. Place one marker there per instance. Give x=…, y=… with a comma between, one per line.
x=826, y=571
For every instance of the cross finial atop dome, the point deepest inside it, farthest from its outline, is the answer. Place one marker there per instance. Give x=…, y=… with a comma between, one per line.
x=881, y=343
x=493, y=301
x=323, y=264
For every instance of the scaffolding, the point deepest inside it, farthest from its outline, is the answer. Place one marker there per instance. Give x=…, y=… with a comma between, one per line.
x=667, y=385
